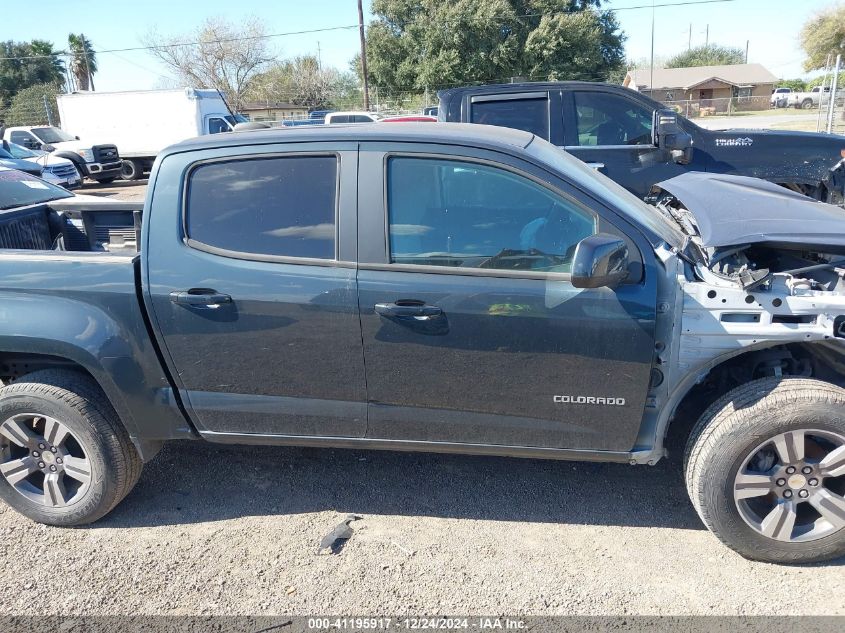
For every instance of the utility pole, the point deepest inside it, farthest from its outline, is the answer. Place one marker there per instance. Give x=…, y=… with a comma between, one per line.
x=747, y=42
x=363, y=55
x=832, y=99
x=319, y=58
x=87, y=63
x=651, y=72
x=707, y=36
x=689, y=40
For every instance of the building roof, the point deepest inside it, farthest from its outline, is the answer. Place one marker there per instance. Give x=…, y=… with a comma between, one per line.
x=270, y=105
x=733, y=74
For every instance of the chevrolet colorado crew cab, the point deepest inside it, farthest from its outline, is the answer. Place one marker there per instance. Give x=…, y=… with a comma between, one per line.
x=614, y=129
x=443, y=287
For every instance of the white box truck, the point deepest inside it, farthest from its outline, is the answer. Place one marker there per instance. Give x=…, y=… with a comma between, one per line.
x=141, y=123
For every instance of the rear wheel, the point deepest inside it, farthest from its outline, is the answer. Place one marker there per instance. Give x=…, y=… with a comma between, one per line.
x=807, y=104
x=765, y=469
x=65, y=459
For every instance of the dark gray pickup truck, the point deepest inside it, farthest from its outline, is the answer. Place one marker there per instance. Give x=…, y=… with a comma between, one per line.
x=441, y=287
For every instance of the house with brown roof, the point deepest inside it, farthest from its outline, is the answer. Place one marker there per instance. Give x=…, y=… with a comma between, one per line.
x=703, y=83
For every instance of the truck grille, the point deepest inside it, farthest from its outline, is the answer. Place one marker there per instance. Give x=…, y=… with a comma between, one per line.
x=105, y=153
x=62, y=171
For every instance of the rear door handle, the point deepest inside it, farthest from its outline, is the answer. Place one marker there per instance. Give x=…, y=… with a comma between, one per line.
x=407, y=308
x=199, y=297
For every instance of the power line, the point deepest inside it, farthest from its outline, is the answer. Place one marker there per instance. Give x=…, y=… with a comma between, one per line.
x=355, y=26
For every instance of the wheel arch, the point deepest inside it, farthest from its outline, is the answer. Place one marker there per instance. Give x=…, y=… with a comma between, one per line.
x=826, y=360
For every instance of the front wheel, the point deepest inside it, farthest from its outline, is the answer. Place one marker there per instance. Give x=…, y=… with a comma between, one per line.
x=131, y=170
x=765, y=469
x=807, y=104
x=65, y=458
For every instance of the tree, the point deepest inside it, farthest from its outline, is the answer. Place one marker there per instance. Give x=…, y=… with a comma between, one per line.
x=823, y=35
x=707, y=55
x=418, y=44
x=302, y=81
x=83, y=61
x=217, y=55
x=26, y=64
x=29, y=106
x=797, y=85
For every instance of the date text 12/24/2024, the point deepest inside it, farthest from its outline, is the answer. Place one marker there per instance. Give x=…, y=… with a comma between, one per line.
x=416, y=624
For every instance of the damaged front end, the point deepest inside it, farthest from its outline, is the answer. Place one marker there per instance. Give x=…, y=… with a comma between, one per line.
x=763, y=267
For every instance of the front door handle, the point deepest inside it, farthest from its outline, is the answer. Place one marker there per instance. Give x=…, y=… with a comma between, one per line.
x=407, y=308
x=596, y=166
x=202, y=297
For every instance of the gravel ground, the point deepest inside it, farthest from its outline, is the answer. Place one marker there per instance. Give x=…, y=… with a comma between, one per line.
x=119, y=189
x=235, y=530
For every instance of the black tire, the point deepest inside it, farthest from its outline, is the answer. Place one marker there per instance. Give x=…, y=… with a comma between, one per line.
x=131, y=170
x=807, y=104
x=104, y=180
x=729, y=430
x=79, y=404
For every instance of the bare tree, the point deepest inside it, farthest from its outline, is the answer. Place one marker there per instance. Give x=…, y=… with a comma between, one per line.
x=302, y=81
x=217, y=55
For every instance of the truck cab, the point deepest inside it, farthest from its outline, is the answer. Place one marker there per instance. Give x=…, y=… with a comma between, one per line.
x=616, y=131
x=98, y=162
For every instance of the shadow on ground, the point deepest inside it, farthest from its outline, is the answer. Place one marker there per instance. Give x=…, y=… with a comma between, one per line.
x=191, y=482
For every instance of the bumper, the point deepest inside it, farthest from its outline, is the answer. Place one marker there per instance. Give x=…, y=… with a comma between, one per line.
x=102, y=169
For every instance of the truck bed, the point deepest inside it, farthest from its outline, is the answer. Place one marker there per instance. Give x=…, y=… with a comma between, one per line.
x=80, y=224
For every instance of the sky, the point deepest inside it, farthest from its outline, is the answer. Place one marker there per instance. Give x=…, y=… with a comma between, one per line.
x=769, y=26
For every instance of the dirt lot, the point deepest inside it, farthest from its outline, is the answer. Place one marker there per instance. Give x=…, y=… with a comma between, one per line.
x=119, y=189
x=234, y=530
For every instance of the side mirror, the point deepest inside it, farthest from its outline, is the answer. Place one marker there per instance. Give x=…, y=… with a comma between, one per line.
x=670, y=136
x=47, y=147
x=600, y=260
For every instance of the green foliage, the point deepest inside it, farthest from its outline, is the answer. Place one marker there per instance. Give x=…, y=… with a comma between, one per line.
x=83, y=61
x=823, y=35
x=707, y=55
x=797, y=85
x=33, y=63
x=415, y=44
x=28, y=107
x=302, y=81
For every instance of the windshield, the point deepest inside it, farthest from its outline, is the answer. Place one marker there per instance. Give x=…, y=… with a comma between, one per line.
x=20, y=152
x=52, y=135
x=603, y=188
x=18, y=189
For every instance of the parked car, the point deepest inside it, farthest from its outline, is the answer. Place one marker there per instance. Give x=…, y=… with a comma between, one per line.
x=143, y=122
x=430, y=110
x=587, y=319
x=780, y=97
x=59, y=171
x=98, y=162
x=7, y=161
x=406, y=118
x=333, y=118
x=617, y=131
x=810, y=99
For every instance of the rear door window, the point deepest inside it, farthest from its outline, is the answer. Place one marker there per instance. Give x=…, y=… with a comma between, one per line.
x=281, y=206
x=530, y=114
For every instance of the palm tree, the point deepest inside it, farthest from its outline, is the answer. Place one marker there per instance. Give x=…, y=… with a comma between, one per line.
x=83, y=61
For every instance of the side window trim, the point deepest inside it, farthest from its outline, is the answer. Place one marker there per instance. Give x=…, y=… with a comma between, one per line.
x=459, y=270
x=335, y=262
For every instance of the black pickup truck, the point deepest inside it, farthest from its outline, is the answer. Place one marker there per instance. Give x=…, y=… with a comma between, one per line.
x=637, y=142
x=428, y=287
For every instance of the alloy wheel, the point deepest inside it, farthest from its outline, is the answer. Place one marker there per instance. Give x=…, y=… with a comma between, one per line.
x=43, y=460
x=792, y=486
